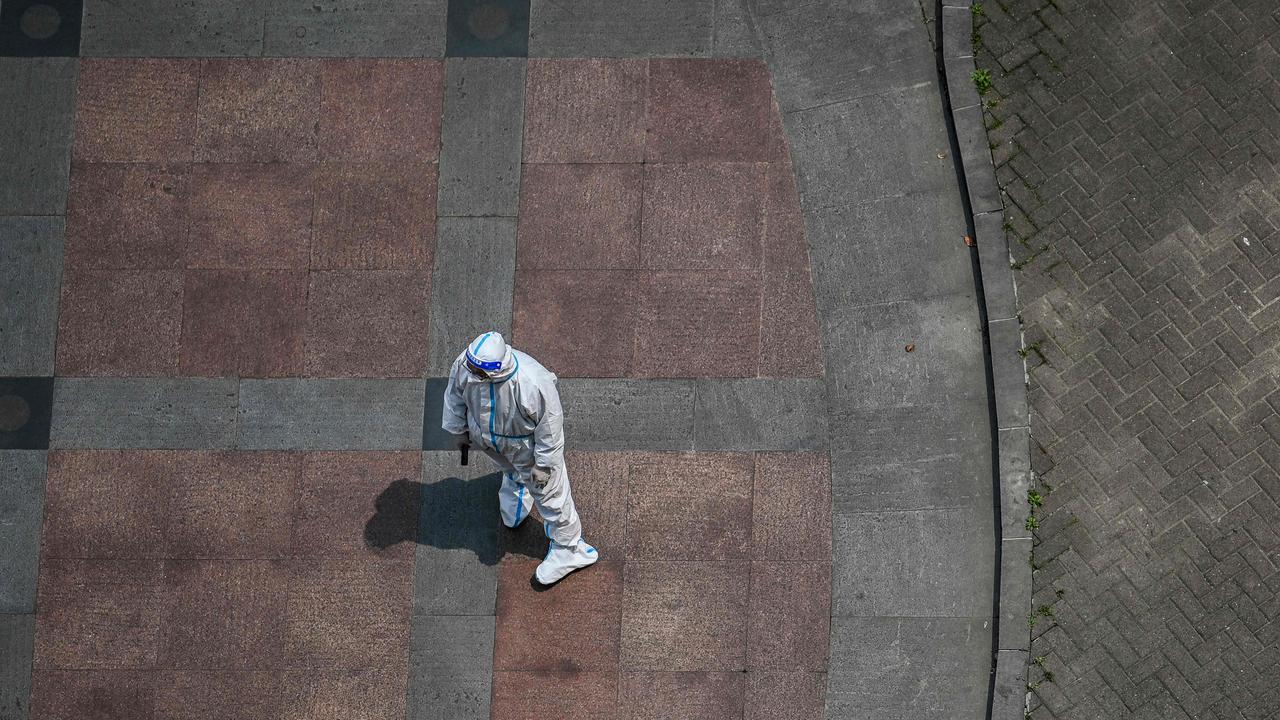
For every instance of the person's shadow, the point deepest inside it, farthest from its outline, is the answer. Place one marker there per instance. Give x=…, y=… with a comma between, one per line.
x=451, y=513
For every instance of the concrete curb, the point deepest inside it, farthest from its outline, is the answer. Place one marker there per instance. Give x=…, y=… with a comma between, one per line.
x=1008, y=368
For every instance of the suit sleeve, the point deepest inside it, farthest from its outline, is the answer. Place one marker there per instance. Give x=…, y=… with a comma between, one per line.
x=548, y=434
x=454, y=418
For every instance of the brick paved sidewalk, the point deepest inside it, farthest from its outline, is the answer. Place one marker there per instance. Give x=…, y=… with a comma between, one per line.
x=1138, y=149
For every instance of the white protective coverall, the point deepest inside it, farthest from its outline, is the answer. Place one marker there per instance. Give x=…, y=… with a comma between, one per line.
x=506, y=403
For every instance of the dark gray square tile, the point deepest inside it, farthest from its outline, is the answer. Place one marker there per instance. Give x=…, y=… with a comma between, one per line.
x=40, y=28
x=488, y=28
x=26, y=406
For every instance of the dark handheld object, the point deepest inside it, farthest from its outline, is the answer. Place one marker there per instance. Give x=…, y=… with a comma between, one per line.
x=463, y=449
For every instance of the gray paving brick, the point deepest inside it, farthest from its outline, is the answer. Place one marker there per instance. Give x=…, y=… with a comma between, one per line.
x=30, y=276
x=760, y=414
x=997, y=276
x=870, y=147
x=17, y=641
x=180, y=28
x=318, y=414
x=858, y=251
x=628, y=414
x=1009, y=373
x=1015, y=594
x=901, y=668
x=461, y=694
x=936, y=563
x=471, y=288
x=22, y=474
x=355, y=28
x=36, y=121
x=481, y=137
x=831, y=50
x=619, y=28
x=450, y=642
x=455, y=569
x=144, y=413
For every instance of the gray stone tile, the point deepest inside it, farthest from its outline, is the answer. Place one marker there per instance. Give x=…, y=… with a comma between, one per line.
x=1015, y=594
x=628, y=414
x=1015, y=481
x=997, y=275
x=36, y=123
x=735, y=34
x=834, y=50
x=355, y=28
x=144, y=413
x=964, y=94
x=908, y=668
x=471, y=289
x=450, y=643
x=620, y=28
x=22, y=474
x=30, y=276
x=936, y=563
x=883, y=437
x=975, y=154
x=760, y=414
x=455, y=567
x=1010, y=697
x=177, y=28
x=457, y=695
x=482, y=133
x=433, y=435
x=957, y=32
x=315, y=414
x=871, y=147
x=1009, y=371
x=17, y=644
x=944, y=367
x=893, y=248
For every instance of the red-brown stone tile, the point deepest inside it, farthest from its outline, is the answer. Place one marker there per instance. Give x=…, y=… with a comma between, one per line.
x=698, y=324
x=99, y=614
x=127, y=216
x=106, y=504
x=684, y=616
x=100, y=695
x=250, y=216
x=374, y=216
x=219, y=695
x=578, y=323
x=580, y=216
x=789, y=340
x=561, y=695
x=792, y=509
x=572, y=628
x=136, y=110
x=785, y=696
x=348, y=613
x=600, y=487
x=687, y=506
x=381, y=109
x=790, y=616
x=224, y=615
x=718, y=110
x=703, y=217
x=258, y=110
x=663, y=695
x=584, y=111
x=243, y=323
x=337, y=497
x=377, y=694
x=231, y=504
x=119, y=322
x=367, y=323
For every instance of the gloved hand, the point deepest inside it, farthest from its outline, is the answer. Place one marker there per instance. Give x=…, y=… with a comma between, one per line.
x=460, y=439
x=541, y=476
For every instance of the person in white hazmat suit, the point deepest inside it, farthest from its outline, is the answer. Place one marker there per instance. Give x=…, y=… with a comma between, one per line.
x=506, y=403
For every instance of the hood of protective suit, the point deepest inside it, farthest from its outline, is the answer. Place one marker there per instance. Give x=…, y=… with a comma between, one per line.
x=491, y=353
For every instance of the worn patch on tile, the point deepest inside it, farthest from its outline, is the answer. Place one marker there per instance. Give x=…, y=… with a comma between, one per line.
x=40, y=28
x=488, y=28
x=26, y=405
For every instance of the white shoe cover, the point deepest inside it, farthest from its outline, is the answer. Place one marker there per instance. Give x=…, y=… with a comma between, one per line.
x=561, y=561
x=515, y=502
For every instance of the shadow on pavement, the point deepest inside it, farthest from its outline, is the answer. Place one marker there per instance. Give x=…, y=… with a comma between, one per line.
x=451, y=513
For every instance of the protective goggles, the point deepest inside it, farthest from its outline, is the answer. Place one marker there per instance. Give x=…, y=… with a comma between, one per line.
x=481, y=369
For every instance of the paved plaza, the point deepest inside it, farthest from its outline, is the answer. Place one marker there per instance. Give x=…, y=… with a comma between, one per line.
x=242, y=242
